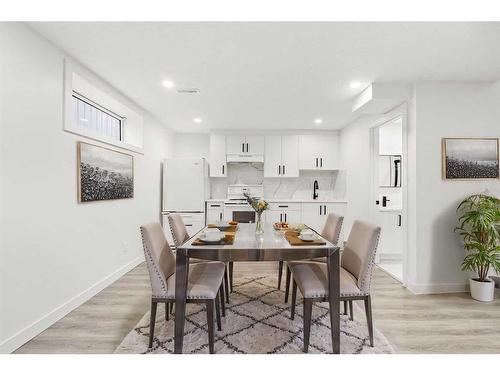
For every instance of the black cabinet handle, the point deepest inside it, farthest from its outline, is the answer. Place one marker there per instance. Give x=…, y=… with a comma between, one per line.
x=223, y=169
x=316, y=162
x=220, y=215
x=324, y=209
x=189, y=225
x=321, y=162
x=281, y=218
x=384, y=201
x=242, y=147
x=283, y=206
x=283, y=170
x=320, y=210
x=247, y=147
x=285, y=218
x=215, y=205
x=279, y=169
x=399, y=220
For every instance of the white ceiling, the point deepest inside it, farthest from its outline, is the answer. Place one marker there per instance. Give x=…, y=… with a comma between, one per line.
x=272, y=75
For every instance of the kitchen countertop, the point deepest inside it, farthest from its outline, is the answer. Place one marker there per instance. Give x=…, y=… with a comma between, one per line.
x=288, y=200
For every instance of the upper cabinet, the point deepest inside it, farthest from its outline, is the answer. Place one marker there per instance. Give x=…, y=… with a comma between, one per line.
x=318, y=152
x=245, y=148
x=281, y=156
x=218, y=166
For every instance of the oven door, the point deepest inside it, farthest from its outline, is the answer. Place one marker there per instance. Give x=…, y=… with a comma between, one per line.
x=239, y=213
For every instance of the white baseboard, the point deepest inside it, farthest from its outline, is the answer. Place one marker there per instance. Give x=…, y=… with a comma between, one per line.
x=27, y=333
x=436, y=288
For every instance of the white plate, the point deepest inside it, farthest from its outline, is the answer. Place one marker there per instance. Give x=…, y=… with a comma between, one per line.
x=203, y=239
x=308, y=239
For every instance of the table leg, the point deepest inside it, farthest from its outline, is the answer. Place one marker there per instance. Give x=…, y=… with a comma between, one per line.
x=334, y=299
x=181, y=279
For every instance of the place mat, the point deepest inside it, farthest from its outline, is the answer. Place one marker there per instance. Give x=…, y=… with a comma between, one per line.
x=227, y=240
x=230, y=229
x=294, y=240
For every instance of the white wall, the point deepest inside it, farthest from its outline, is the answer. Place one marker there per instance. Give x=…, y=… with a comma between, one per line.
x=446, y=110
x=435, y=111
x=55, y=253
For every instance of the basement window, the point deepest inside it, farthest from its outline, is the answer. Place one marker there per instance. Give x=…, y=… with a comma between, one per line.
x=90, y=116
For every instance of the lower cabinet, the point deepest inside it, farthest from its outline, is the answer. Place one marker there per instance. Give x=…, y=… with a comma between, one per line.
x=194, y=222
x=284, y=212
x=314, y=215
x=215, y=212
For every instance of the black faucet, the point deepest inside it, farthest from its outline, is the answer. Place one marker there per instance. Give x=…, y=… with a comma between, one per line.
x=316, y=187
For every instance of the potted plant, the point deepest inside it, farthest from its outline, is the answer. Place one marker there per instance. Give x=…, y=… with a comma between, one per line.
x=259, y=205
x=479, y=227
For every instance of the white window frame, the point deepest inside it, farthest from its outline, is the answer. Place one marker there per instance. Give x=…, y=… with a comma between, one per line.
x=86, y=86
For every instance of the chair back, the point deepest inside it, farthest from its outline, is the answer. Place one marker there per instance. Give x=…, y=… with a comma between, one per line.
x=358, y=256
x=332, y=228
x=159, y=257
x=178, y=229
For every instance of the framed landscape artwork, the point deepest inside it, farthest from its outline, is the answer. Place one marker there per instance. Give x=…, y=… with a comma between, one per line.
x=470, y=158
x=104, y=174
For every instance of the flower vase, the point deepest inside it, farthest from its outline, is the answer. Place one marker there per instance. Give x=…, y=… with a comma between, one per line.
x=259, y=228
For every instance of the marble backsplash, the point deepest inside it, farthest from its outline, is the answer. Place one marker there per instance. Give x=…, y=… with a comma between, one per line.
x=332, y=184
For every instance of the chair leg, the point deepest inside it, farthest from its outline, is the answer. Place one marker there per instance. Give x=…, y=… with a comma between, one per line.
x=345, y=307
x=369, y=321
x=210, y=321
x=231, y=266
x=287, y=288
x=226, y=284
x=167, y=310
x=152, y=321
x=307, y=322
x=217, y=311
x=351, y=311
x=294, y=299
x=280, y=273
x=222, y=301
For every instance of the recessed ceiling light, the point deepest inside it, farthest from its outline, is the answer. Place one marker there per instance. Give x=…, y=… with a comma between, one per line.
x=355, y=84
x=197, y=120
x=318, y=121
x=167, y=84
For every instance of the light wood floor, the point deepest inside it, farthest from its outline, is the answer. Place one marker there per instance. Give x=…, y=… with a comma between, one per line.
x=446, y=323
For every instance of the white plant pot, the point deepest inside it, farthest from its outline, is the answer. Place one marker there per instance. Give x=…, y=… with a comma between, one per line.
x=482, y=291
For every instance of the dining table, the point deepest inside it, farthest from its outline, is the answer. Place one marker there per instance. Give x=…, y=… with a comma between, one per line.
x=249, y=246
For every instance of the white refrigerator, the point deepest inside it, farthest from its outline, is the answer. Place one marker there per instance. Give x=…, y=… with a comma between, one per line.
x=186, y=187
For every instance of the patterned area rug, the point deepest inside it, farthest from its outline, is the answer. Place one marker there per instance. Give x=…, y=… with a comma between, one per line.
x=256, y=321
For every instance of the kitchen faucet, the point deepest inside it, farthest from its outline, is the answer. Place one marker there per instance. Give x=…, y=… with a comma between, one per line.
x=315, y=189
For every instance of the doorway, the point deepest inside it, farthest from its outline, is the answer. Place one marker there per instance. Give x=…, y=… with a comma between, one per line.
x=388, y=191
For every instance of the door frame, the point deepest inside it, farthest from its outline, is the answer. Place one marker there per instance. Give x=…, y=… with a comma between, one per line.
x=399, y=112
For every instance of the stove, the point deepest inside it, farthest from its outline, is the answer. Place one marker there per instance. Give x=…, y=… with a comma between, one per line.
x=236, y=206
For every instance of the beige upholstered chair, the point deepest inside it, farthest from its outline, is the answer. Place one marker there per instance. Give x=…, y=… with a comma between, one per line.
x=331, y=231
x=355, y=276
x=204, y=280
x=180, y=235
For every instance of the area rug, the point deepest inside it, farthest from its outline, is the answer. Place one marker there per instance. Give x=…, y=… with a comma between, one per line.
x=257, y=321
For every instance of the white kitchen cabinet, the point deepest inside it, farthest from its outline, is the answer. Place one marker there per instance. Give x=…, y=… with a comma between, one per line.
x=218, y=165
x=281, y=156
x=235, y=144
x=283, y=211
x=245, y=144
x=318, y=152
x=314, y=215
x=215, y=212
x=194, y=222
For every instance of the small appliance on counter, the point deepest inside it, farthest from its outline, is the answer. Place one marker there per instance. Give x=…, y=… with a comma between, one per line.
x=186, y=187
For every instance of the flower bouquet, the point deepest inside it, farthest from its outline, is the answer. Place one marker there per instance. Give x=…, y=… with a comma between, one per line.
x=259, y=205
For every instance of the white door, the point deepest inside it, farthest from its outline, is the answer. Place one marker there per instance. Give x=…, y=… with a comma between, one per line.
x=312, y=215
x=218, y=166
x=290, y=155
x=328, y=149
x=272, y=157
x=387, y=204
x=254, y=144
x=235, y=144
x=308, y=152
x=215, y=215
x=273, y=216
